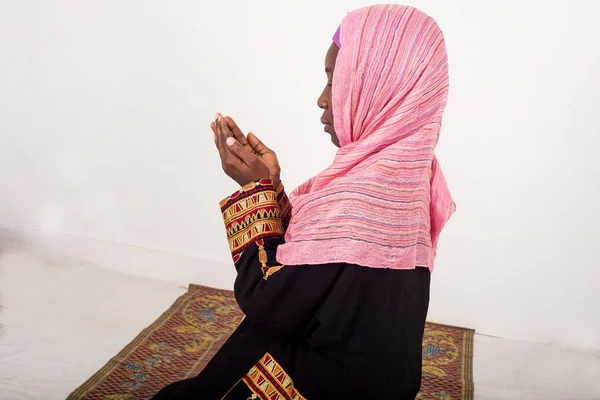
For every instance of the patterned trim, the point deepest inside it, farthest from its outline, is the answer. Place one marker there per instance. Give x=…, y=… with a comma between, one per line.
x=284, y=205
x=262, y=184
x=468, y=390
x=263, y=258
x=249, y=214
x=269, y=381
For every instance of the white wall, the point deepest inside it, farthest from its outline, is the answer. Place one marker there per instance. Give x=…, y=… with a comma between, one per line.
x=105, y=150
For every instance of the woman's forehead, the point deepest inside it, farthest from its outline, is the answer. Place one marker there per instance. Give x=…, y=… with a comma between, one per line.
x=331, y=56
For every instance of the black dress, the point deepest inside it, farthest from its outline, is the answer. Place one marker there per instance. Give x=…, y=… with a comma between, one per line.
x=336, y=331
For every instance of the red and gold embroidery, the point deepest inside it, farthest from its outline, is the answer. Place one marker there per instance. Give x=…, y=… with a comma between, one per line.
x=284, y=205
x=249, y=214
x=269, y=381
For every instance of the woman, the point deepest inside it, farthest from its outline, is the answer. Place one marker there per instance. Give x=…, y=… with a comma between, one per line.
x=335, y=282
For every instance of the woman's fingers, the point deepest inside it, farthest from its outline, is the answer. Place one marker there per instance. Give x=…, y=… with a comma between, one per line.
x=239, y=151
x=237, y=160
x=237, y=132
x=213, y=127
x=257, y=145
x=250, y=167
x=235, y=152
x=221, y=137
x=267, y=155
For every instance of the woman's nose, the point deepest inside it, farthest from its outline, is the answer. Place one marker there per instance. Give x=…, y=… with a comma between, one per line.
x=323, y=101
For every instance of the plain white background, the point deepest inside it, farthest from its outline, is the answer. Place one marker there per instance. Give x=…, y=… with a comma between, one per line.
x=106, y=153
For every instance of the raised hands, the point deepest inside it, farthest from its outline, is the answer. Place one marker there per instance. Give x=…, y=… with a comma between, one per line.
x=244, y=158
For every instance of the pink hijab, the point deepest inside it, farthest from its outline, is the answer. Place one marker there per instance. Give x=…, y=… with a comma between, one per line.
x=384, y=200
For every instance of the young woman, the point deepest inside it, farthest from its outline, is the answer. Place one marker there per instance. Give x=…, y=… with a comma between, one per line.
x=335, y=281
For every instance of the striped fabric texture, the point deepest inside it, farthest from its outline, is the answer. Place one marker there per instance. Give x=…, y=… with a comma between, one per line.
x=383, y=201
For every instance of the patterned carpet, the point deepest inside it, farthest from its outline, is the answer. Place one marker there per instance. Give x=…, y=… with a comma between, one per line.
x=181, y=342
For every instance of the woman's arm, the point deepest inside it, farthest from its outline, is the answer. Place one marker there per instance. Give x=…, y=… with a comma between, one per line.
x=278, y=299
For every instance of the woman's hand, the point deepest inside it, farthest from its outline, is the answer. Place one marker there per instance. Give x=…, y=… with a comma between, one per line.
x=238, y=163
x=254, y=146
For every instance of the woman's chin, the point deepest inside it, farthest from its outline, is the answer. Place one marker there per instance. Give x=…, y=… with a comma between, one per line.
x=335, y=140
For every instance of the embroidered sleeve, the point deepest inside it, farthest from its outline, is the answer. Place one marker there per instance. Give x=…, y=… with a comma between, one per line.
x=278, y=299
x=284, y=205
x=250, y=214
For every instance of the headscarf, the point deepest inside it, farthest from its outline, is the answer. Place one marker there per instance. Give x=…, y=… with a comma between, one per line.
x=384, y=200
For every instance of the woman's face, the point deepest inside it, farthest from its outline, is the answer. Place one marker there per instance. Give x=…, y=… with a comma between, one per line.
x=324, y=101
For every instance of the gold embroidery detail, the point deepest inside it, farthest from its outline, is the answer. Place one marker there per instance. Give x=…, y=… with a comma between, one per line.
x=268, y=379
x=262, y=257
x=271, y=271
x=247, y=204
x=284, y=205
x=257, y=229
x=250, y=186
x=251, y=217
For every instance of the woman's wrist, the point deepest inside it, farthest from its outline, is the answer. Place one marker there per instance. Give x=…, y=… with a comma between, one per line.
x=276, y=182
